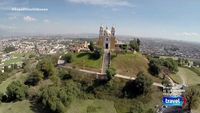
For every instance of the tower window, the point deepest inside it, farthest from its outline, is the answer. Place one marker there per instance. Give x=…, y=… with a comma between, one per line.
x=106, y=39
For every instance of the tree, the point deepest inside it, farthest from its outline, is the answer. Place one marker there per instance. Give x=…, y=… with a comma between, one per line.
x=154, y=67
x=134, y=45
x=6, y=69
x=64, y=75
x=27, y=66
x=140, y=86
x=193, y=97
x=171, y=65
x=110, y=73
x=47, y=67
x=9, y=49
x=143, y=83
x=97, y=53
x=34, y=77
x=16, y=91
x=68, y=58
x=91, y=46
x=57, y=98
x=138, y=41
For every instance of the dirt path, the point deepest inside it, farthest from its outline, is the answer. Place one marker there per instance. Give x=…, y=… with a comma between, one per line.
x=133, y=78
x=117, y=75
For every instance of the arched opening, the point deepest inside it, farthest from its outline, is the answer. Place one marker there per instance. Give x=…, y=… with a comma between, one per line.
x=106, y=46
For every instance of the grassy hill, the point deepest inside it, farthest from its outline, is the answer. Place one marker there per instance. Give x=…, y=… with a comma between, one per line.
x=185, y=74
x=92, y=106
x=16, y=107
x=129, y=64
x=84, y=61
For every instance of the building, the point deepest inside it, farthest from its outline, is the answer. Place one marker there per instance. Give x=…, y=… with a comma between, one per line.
x=80, y=47
x=107, y=39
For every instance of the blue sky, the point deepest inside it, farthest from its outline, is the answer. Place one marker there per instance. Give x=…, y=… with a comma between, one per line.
x=172, y=19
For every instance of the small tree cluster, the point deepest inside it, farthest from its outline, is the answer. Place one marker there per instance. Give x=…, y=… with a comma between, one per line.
x=156, y=65
x=135, y=45
x=46, y=66
x=57, y=98
x=91, y=46
x=68, y=58
x=16, y=91
x=110, y=73
x=9, y=49
x=141, y=85
x=97, y=53
x=34, y=78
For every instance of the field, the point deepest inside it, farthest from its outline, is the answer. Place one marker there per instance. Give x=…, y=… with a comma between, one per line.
x=17, y=58
x=129, y=64
x=92, y=106
x=186, y=76
x=84, y=61
x=18, y=76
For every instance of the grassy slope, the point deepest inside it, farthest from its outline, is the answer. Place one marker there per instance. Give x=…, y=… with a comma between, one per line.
x=149, y=102
x=190, y=77
x=101, y=106
x=17, y=107
x=196, y=70
x=130, y=64
x=83, y=61
x=18, y=76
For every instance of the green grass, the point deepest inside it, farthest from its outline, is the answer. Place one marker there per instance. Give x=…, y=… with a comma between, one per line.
x=196, y=70
x=13, y=61
x=176, y=78
x=18, y=76
x=23, y=54
x=129, y=64
x=83, y=61
x=174, y=58
x=18, y=58
x=94, y=106
x=190, y=77
x=17, y=107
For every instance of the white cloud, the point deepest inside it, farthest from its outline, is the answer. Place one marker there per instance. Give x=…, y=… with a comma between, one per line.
x=188, y=34
x=29, y=19
x=103, y=2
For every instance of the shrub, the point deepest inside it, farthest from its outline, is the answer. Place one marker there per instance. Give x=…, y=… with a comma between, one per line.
x=68, y=58
x=110, y=73
x=34, y=78
x=16, y=91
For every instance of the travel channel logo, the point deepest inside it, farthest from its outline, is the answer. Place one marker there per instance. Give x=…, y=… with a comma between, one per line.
x=174, y=101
